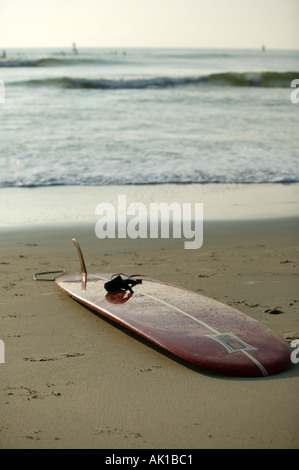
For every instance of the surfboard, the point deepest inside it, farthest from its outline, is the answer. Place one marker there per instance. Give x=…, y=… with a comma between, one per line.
x=193, y=327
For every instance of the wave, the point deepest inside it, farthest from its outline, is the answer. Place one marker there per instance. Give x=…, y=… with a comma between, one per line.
x=245, y=79
x=188, y=181
x=53, y=62
x=262, y=79
x=125, y=180
x=69, y=82
x=61, y=58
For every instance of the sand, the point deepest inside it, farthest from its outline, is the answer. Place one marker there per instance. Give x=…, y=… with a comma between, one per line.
x=23, y=206
x=74, y=380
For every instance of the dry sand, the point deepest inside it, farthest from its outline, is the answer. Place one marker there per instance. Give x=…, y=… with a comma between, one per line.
x=74, y=380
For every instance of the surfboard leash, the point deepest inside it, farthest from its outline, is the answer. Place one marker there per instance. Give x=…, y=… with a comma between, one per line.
x=117, y=282
x=37, y=277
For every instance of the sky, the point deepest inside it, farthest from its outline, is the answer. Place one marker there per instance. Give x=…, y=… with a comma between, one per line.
x=150, y=23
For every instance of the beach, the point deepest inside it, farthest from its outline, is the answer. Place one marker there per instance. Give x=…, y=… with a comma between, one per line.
x=210, y=131
x=73, y=379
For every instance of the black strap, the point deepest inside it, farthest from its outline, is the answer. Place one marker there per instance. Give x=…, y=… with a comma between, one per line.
x=117, y=283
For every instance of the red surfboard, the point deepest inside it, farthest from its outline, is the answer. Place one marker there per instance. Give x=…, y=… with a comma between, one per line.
x=193, y=327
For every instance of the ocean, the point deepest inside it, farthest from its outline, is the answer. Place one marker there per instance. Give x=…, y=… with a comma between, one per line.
x=148, y=116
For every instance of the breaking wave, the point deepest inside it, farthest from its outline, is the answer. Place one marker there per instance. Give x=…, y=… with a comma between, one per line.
x=254, y=79
x=53, y=62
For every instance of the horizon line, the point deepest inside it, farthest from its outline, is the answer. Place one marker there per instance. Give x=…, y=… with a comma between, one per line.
x=69, y=46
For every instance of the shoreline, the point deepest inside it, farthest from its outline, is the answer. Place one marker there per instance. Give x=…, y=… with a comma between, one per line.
x=74, y=380
x=68, y=204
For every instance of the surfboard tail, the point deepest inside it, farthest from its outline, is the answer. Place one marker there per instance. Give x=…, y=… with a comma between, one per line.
x=82, y=264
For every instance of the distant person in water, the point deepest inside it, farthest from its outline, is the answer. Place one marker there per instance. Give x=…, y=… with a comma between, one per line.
x=4, y=55
x=75, y=48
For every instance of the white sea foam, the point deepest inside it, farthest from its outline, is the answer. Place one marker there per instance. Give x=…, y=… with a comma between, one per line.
x=148, y=117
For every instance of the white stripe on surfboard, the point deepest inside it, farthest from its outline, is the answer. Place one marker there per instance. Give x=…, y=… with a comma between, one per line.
x=175, y=308
x=253, y=359
x=260, y=366
x=184, y=313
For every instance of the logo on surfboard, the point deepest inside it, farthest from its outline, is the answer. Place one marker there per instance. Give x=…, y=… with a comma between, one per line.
x=231, y=342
